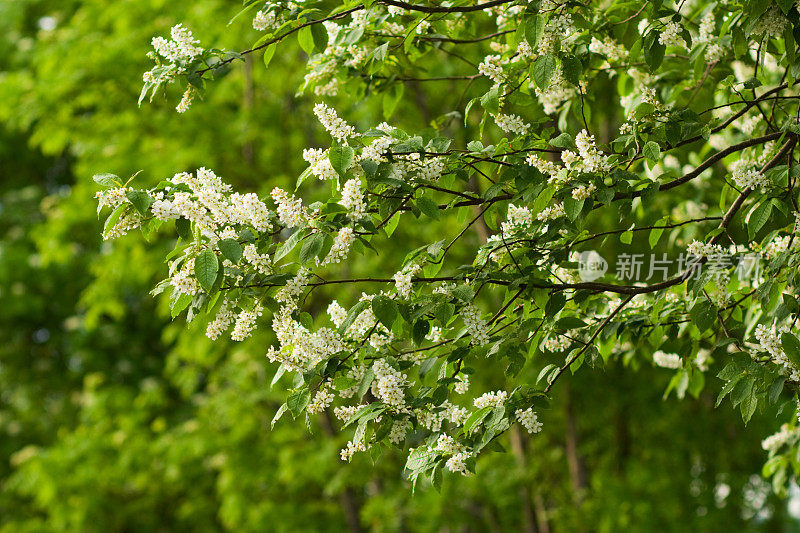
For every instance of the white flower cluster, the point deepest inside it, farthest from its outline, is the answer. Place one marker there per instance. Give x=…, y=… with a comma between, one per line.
x=208, y=206
x=301, y=349
x=769, y=340
x=667, y=360
x=545, y=166
x=772, y=23
x=551, y=213
x=186, y=100
x=402, y=282
x=609, y=48
x=182, y=48
x=491, y=399
x=321, y=401
x=457, y=464
x=706, y=29
x=340, y=249
x=747, y=177
x=353, y=199
x=337, y=313
x=492, y=68
x=703, y=249
x=290, y=209
x=183, y=280
x=346, y=412
x=715, y=52
x=511, y=124
x=582, y=192
x=529, y=420
x=557, y=92
x=671, y=35
x=398, y=432
x=222, y=321
x=462, y=385
x=557, y=343
x=246, y=323
x=293, y=289
x=516, y=218
x=588, y=158
x=352, y=447
x=337, y=127
x=776, y=246
x=476, y=326
x=388, y=384
x=320, y=164
x=264, y=20
x=261, y=262
x=112, y=197
x=776, y=440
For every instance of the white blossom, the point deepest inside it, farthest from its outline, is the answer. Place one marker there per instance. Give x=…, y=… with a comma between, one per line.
x=671, y=34
x=667, y=360
x=338, y=128
x=529, y=420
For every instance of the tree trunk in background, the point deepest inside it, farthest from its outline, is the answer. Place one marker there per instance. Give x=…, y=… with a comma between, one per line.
x=248, y=100
x=577, y=469
x=347, y=499
x=529, y=515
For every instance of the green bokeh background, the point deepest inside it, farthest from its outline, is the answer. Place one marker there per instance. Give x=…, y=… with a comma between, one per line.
x=115, y=418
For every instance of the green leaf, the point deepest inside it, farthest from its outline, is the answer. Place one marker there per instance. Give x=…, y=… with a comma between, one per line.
x=344, y=382
x=748, y=407
x=429, y=207
x=421, y=459
x=112, y=219
x=654, y=52
x=107, y=180
x=727, y=388
x=140, y=200
x=572, y=207
x=312, y=247
x=366, y=382
x=353, y=314
x=420, y=329
x=543, y=70
x=655, y=233
x=444, y=312
x=180, y=303
x=231, y=249
x=703, y=314
x=269, y=51
x=306, y=40
x=758, y=217
x=652, y=151
x=564, y=140
x=290, y=243
x=475, y=419
x=184, y=229
x=571, y=68
x=298, y=401
x=206, y=267
x=385, y=310
x=491, y=100
x=791, y=346
x=341, y=157
x=320, y=36
x=278, y=415
x=534, y=26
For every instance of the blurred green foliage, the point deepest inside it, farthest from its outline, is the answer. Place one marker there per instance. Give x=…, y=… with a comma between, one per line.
x=113, y=418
